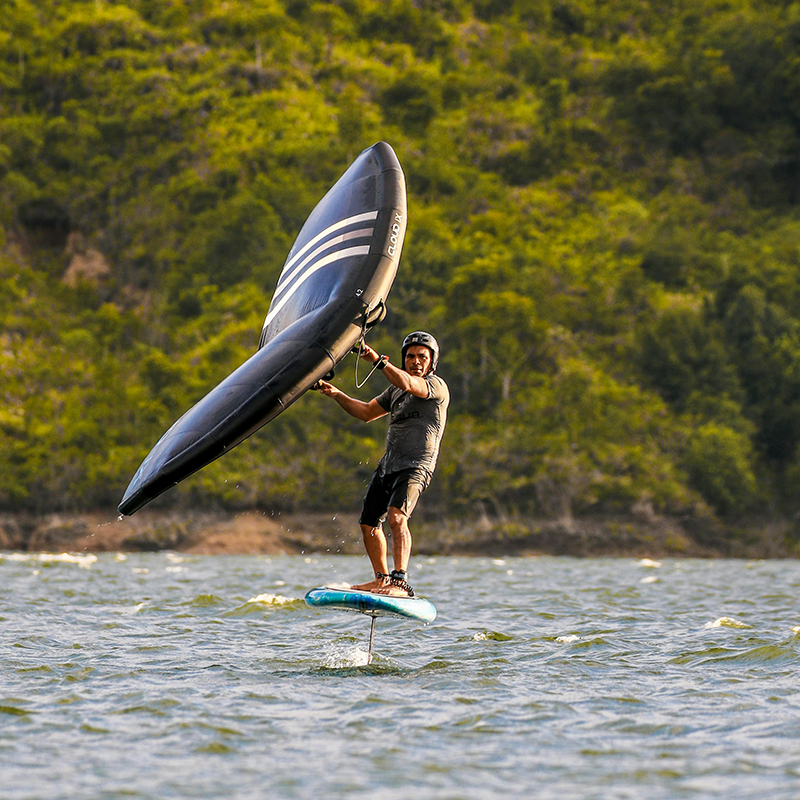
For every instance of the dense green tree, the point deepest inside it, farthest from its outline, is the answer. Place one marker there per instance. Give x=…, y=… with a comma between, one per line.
x=683, y=353
x=602, y=233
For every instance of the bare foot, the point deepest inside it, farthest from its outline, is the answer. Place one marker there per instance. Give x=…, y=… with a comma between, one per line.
x=391, y=590
x=371, y=586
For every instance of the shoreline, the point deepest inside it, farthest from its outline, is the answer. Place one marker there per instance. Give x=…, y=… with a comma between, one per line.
x=264, y=533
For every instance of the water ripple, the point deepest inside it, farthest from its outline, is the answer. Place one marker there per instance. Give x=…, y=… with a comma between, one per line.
x=172, y=676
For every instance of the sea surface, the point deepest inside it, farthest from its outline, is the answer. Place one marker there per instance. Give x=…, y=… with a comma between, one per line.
x=172, y=676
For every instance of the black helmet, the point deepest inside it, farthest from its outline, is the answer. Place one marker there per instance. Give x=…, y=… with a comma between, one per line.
x=426, y=340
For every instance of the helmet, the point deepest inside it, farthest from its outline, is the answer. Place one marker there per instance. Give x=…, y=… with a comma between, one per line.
x=426, y=340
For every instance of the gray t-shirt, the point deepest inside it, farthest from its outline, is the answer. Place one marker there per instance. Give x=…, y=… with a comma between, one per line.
x=416, y=426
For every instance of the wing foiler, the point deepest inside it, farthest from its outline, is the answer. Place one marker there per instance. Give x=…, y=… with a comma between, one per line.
x=333, y=287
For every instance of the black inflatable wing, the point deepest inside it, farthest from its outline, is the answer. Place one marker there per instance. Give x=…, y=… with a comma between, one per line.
x=332, y=288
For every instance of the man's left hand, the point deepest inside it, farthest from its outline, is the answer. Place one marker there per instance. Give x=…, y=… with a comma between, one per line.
x=369, y=354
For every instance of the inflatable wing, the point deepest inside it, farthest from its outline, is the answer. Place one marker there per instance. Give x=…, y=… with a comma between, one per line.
x=332, y=289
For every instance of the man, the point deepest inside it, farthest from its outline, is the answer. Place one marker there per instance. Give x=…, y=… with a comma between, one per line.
x=417, y=400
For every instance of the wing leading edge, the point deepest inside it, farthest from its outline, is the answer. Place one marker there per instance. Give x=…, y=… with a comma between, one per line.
x=333, y=285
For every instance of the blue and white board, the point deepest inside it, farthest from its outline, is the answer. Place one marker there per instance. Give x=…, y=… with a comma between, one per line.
x=375, y=605
x=332, y=289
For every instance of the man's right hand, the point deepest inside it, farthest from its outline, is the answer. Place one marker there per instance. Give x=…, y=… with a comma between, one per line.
x=366, y=412
x=328, y=389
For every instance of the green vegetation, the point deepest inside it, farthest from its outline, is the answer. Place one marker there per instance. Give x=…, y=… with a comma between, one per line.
x=603, y=233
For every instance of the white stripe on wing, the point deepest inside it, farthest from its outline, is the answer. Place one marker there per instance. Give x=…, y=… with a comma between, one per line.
x=323, y=262
x=286, y=279
x=342, y=223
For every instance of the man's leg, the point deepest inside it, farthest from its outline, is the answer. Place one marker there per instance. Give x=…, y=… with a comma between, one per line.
x=401, y=538
x=375, y=545
x=401, y=550
x=406, y=491
x=375, y=502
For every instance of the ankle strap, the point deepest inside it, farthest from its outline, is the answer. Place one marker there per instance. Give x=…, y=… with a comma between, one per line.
x=398, y=578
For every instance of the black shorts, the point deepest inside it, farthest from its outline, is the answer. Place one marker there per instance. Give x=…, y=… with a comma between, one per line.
x=399, y=490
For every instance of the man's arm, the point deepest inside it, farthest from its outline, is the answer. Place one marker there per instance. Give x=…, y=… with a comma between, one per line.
x=398, y=377
x=366, y=412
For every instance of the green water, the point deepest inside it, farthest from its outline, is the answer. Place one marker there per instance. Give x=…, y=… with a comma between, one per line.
x=166, y=676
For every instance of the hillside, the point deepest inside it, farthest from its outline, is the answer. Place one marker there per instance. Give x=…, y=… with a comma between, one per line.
x=603, y=234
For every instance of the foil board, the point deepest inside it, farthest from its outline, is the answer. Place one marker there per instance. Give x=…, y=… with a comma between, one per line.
x=375, y=605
